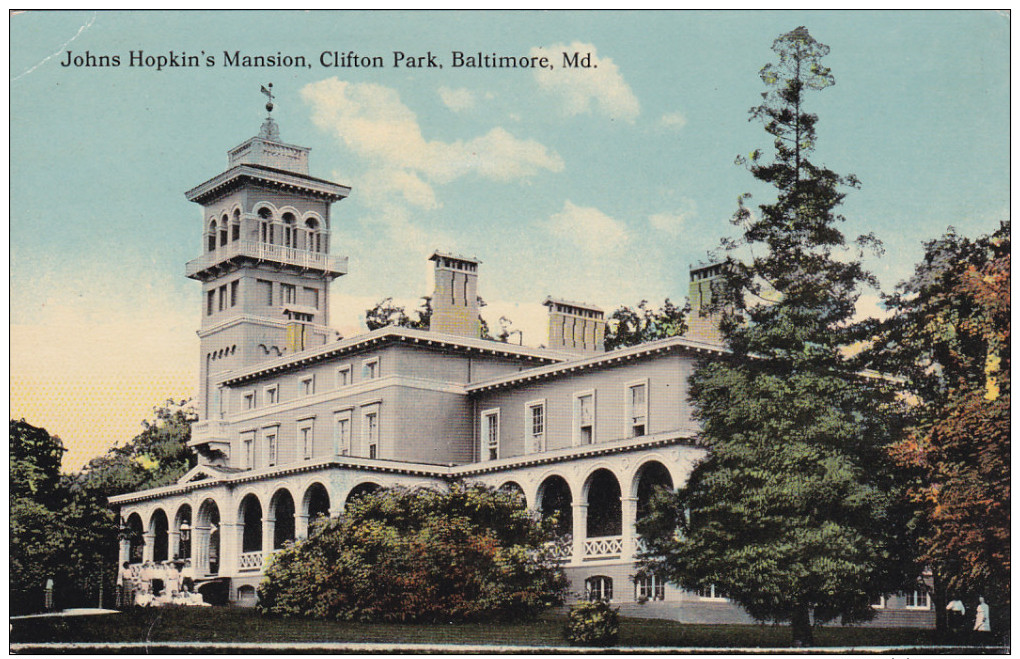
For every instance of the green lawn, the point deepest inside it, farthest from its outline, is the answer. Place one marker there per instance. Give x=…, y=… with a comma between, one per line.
x=235, y=624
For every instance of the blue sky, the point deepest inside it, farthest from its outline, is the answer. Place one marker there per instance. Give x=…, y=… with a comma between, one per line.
x=601, y=185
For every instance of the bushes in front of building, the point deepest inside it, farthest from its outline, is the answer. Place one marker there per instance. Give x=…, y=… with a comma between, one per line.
x=400, y=555
x=593, y=624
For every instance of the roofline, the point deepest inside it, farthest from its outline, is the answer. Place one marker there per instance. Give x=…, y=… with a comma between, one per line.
x=391, y=333
x=603, y=359
x=328, y=189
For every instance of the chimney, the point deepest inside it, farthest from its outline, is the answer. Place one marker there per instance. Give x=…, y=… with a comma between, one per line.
x=576, y=327
x=455, y=299
x=702, y=323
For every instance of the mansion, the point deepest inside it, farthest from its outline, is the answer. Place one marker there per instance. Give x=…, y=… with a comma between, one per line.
x=294, y=421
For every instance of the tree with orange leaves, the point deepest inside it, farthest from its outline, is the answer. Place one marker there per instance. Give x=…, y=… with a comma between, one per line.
x=949, y=338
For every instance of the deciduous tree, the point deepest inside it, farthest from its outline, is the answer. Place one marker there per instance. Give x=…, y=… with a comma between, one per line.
x=628, y=326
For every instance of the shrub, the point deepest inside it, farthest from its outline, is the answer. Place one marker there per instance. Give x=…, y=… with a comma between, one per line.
x=399, y=555
x=593, y=624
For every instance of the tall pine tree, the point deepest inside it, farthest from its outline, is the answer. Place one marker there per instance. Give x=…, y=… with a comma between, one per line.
x=793, y=514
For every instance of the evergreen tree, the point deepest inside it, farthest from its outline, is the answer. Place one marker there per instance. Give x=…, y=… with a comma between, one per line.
x=793, y=514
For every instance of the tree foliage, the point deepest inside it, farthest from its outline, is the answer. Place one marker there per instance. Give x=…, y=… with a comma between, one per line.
x=949, y=337
x=468, y=554
x=793, y=515
x=385, y=314
x=62, y=526
x=628, y=326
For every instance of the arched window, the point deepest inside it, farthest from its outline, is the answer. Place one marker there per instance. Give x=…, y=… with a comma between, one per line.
x=235, y=226
x=289, y=230
x=598, y=588
x=210, y=238
x=282, y=510
x=649, y=587
x=314, y=237
x=224, y=222
x=251, y=518
x=265, y=225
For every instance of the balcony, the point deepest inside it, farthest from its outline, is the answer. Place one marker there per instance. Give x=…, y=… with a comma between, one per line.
x=603, y=548
x=209, y=431
x=277, y=254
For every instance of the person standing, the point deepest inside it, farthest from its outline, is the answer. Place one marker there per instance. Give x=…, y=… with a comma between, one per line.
x=127, y=586
x=957, y=612
x=982, y=622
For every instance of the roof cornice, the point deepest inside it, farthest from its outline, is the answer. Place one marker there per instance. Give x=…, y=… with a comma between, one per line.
x=278, y=178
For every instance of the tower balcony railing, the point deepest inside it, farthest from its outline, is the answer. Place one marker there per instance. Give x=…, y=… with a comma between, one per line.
x=210, y=430
x=300, y=258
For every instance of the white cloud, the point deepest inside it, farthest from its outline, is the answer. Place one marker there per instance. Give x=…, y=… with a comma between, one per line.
x=673, y=120
x=589, y=228
x=673, y=223
x=601, y=86
x=379, y=185
x=457, y=100
x=372, y=121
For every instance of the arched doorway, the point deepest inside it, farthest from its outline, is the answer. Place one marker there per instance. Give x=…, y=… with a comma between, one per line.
x=133, y=530
x=605, y=517
x=554, y=499
x=183, y=529
x=159, y=527
x=281, y=511
x=651, y=478
x=250, y=513
x=315, y=504
x=513, y=488
x=359, y=491
x=207, y=539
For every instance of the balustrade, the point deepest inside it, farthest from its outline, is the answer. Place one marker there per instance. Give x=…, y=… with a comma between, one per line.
x=251, y=560
x=603, y=548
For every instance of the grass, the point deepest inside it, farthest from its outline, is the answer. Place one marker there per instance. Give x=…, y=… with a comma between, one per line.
x=236, y=624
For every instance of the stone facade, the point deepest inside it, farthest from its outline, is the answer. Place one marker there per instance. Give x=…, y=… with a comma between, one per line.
x=295, y=422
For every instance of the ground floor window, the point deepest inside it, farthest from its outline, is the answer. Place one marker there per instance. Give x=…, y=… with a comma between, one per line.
x=598, y=588
x=710, y=592
x=916, y=599
x=649, y=587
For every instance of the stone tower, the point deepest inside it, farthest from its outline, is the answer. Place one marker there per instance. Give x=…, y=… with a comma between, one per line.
x=265, y=266
x=703, y=322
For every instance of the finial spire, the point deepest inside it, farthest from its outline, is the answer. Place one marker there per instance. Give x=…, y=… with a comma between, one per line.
x=269, y=94
x=270, y=131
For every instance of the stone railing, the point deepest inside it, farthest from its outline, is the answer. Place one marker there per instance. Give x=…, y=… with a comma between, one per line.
x=301, y=258
x=559, y=551
x=250, y=561
x=603, y=548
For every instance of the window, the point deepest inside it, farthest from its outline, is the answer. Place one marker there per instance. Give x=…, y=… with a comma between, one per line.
x=233, y=292
x=312, y=297
x=343, y=376
x=878, y=602
x=584, y=418
x=272, y=394
x=210, y=302
x=370, y=430
x=598, y=588
x=307, y=436
x=370, y=369
x=490, y=433
x=288, y=292
x=342, y=433
x=916, y=599
x=308, y=385
x=248, y=449
x=710, y=593
x=534, y=424
x=272, y=447
x=249, y=400
x=637, y=409
x=265, y=291
x=649, y=587
x=223, y=297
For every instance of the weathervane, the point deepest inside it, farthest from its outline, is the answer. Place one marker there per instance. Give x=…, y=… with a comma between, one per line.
x=269, y=94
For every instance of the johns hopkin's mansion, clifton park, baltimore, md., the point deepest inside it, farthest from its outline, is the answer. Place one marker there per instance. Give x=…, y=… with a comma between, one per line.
x=294, y=422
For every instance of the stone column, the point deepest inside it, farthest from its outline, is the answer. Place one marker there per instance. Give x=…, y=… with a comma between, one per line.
x=230, y=547
x=125, y=553
x=174, y=544
x=200, y=550
x=149, y=539
x=268, y=535
x=580, y=513
x=300, y=526
x=628, y=506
